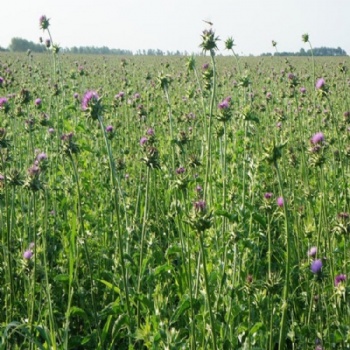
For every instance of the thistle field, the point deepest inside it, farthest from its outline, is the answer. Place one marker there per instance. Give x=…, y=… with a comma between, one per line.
x=174, y=203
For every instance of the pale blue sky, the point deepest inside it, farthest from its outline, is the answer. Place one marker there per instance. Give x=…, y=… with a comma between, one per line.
x=177, y=24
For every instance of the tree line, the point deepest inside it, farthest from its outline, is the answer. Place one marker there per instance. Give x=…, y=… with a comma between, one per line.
x=317, y=51
x=23, y=45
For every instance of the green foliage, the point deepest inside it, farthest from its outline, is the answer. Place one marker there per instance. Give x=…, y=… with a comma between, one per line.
x=164, y=244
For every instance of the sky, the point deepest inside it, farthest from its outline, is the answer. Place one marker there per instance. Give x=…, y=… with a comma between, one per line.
x=178, y=24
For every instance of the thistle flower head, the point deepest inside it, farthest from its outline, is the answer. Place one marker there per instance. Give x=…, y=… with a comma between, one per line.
x=143, y=141
x=317, y=138
x=27, y=254
x=229, y=43
x=44, y=22
x=339, y=279
x=316, y=266
x=91, y=104
x=305, y=38
x=109, y=128
x=320, y=84
x=268, y=195
x=89, y=99
x=38, y=102
x=209, y=40
x=4, y=104
x=280, y=202
x=312, y=252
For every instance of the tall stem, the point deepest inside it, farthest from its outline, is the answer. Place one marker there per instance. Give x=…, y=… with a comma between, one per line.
x=283, y=328
x=212, y=102
x=207, y=290
x=145, y=214
x=119, y=233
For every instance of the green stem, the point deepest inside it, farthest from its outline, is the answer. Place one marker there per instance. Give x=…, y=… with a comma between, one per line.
x=211, y=109
x=119, y=233
x=207, y=290
x=145, y=215
x=283, y=328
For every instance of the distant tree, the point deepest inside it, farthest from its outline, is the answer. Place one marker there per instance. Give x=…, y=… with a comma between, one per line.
x=23, y=45
x=317, y=51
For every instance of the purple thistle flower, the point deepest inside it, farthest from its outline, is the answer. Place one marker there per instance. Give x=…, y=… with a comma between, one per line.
x=205, y=66
x=143, y=141
x=41, y=156
x=1, y=80
x=34, y=170
x=317, y=138
x=312, y=252
x=180, y=170
x=89, y=98
x=280, y=202
x=38, y=102
x=269, y=96
x=223, y=105
x=27, y=254
x=316, y=266
x=76, y=95
x=3, y=102
x=51, y=131
x=109, y=128
x=268, y=195
x=200, y=206
x=320, y=84
x=150, y=132
x=43, y=22
x=199, y=189
x=303, y=90
x=120, y=95
x=137, y=96
x=338, y=279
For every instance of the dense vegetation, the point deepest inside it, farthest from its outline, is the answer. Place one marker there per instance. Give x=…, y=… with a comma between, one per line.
x=174, y=203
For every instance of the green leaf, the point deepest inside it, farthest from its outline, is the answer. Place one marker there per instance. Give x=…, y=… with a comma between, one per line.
x=183, y=307
x=62, y=278
x=110, y=286
x=256, y=327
